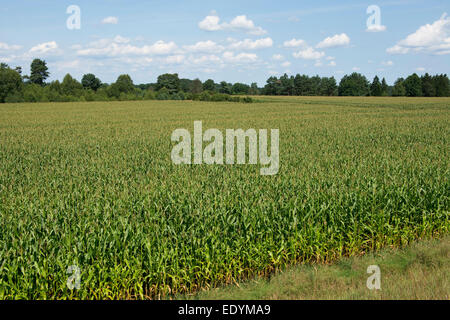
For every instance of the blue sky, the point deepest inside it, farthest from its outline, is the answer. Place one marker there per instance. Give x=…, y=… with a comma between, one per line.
x=236, y=41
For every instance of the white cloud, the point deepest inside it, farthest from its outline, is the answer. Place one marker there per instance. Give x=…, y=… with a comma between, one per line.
x=286, y=64
x=337, y=40
x=387, y=63
x=431, y=38
x=110, y=20
x=318, y=63
x=205, y=59
x=210, y=23
x=204, y=46
x=117, y=47
x=356, y=69
x=329, y=58
x=175, y=59
x=277, y=57
x=45, y=48
x=240, y=58
x=397, y=50
x=376, y=28
x=239, y=23
x=249, y=44
x=421, y=69
x=120, y=39
x=5, y=46
x=294, y=43
x=309, y=54
x=332, y=64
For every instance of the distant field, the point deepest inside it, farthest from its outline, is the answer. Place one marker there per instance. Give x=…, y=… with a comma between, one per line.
x=92, y=184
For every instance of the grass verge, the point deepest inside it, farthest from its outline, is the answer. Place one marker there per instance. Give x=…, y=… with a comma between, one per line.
x=419, y=271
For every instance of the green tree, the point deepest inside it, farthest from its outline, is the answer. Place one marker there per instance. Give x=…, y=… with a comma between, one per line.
x=399, y=88
x=10, y=82
x=441, y=85
x=384, y=88
x=71, y=86
x=39, y=72
x=328, y=86
x=240, y=88
x=169, y=81
x=254, y=90
x=354, y=85
x=196, y=87
x=376, y=89
x=225, y=87
x=90, y=81
x=413, y=86
x=209, y=85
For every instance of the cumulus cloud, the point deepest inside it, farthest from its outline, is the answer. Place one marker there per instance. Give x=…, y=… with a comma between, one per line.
x=204, y=46
x=239, y=58
x=174, y=59
x=205, y=59
x=431, y=38
x=332, y=64
x=249, y=44
x=7, y=47
x=239, y=23
x=277, y=57
x=110, y=20
x=337, y=40
x=117, y=47
x=286, y=64
x=294, y=43
x=421, y=69
x=308, y=54
x=387, y=63
x=45, y=48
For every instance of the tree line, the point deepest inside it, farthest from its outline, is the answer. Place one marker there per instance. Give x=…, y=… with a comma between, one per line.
x=15, y=87
x=357, y=84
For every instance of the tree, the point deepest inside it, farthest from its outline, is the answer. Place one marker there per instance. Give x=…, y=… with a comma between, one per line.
x=10, y=82
x=90, y=81
x=413, y=86
x=286, y=85
x=376, y=89
x=225, y=87
x=441, y=85
x=39, y=72
x=169, y=81
x=328, y=86
x=254, y=90
x=240, y=88
x=185, y=85
x=209, y=85
x=71, y=86
x=124, y=84
x=196, y=86
x=354, y=85
x=272, y=86
x=399, y=88
x=384, y=88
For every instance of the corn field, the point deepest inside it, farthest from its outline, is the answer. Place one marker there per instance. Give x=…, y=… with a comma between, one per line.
x=92, y=184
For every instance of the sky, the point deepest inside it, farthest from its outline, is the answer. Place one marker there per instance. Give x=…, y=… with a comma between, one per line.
x=234, y=41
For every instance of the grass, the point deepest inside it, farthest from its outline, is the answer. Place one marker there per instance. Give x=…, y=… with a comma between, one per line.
x=92, y=184
x=420, y=271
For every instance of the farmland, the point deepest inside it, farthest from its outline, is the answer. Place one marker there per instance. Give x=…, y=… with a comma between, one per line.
x=92, y=184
